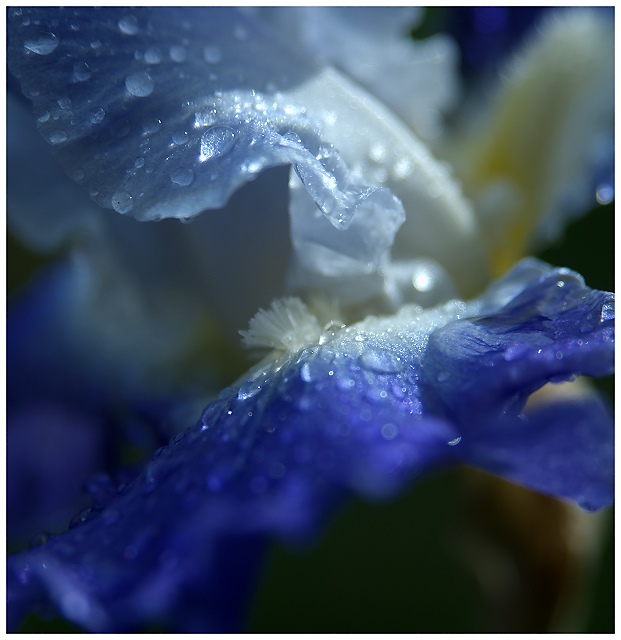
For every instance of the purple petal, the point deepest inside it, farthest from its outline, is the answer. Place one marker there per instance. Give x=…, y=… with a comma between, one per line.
x=552, y=328
x=365, y=410
x=565, y=449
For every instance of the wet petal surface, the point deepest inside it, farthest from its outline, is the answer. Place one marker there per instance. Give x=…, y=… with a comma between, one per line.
x=362, y=410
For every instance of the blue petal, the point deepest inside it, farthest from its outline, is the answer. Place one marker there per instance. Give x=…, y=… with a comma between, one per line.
x=564, y=449
x=551, y=328
x=364, y=410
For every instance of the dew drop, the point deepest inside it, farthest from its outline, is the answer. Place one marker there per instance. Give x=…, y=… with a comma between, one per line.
x=139, y=163
x=608, y=312
x=95, y=44
x=215, y=142
x=452, y=443
x=128, y=25
x=43, y=45
x=177, y=53
x=212, y=54
x=57, y=137
x=152, y=126
x=44, y=116
x=122, y=202
x=389, y=431
x=183, y=177
x=152, y=56
x=305, y=373
x=381, y=361
x=78, y=175
x=139, y=84
x=180, y=138
x=81, y=72
x=64, y=103
x=97, y=115
x=604, y=194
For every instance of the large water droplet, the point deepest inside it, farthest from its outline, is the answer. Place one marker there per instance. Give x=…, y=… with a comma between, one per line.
x=381, y=361
x=81, y=72
x=44, y=116
x=57, y=137
x=122, y=202
x=139, y=84
x=97, y=115
x=212, y=54
x=43, y=45
x=215, y=142
x=152, y=56
x=128, y=25
x=181, y=137
x=183, y=177
x=177, y=53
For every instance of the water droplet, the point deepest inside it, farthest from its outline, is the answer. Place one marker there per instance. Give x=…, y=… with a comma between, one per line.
x=43, y=45
x=152, y=126
x=604, y=194
x=248, y=390
x=381, y=361
x=305, y=373
x=44, y=116
x=389, y=431
x=122, y=202
x=128, y=25
x=177, y=53
x=452, y=443
x=57, y=137
x=608, y=311
x=180, y=137
x=97, y=115
x=215, y=142
x=139, y=163
x=78, y=175
x=139, y=84
x=559, y=355
x=212, y=54
x=81, y=72
x=64, y=103
x=560, y=284
x=152, y=56
x=95, y=44
x=183, y=177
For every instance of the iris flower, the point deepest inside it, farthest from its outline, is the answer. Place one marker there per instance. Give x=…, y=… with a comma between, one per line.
x=269, y=172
